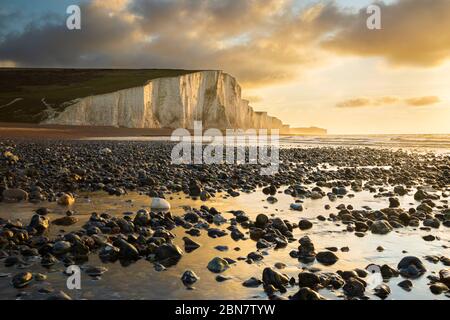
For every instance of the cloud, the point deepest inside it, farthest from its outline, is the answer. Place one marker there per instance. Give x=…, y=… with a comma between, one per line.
x=387, y=100
x=354, y=103
x=422, y=101
x=414, y=32
x=259, y=42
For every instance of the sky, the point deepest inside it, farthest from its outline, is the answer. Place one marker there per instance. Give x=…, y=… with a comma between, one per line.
x=307, y=62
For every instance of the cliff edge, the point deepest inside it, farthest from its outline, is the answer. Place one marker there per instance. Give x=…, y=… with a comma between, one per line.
x=213, y=97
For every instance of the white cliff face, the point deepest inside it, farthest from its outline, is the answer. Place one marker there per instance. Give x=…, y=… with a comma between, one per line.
x=212, y=97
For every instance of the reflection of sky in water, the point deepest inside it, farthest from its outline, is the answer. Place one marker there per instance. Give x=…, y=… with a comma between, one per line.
x=141, y=281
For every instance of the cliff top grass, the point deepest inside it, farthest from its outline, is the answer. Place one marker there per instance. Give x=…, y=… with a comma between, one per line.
x=22, y=89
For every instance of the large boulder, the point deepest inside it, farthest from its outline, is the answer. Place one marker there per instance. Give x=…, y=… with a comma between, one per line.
x=411, y=267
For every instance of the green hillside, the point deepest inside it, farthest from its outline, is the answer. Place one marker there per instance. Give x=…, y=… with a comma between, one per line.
x=22, y=90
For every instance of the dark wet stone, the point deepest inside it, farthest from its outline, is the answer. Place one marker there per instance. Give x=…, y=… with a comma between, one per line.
x=61, y=247
x=327, y=258
x=387, y=272
x=22, y=279
x=274, y=278
x=406, y=285
x=65, y=221
x=305, y=224
x=168, y=251
x=95, y=271
x=306, y=294
x=263, y=244
x=382, y=291
x=190, y=245
x=39, y=223
x=380, y=227
x=109, y=253
x=222, y=278
x=261, y=220
x=218, y=265
x=438, y=288
x=394, y=203
x=189, y=278
x=216, y=233
x=252, y=283
x=444, y=276
x=429, y=237
x=411, y=267
x=255, y=256
x=193, y=232
x=354, y=287
x=127, y=251
x=308, y=279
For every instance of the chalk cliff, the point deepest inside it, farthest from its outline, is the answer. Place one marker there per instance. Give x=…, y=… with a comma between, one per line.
x=212, y=97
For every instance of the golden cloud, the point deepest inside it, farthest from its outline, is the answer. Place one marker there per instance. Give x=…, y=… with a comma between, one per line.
x=414, y=32
x=422, y=101
x=387, y=100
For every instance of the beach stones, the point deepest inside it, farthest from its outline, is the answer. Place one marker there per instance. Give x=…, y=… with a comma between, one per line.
x=296, y=206
x=14, y=195
x=400, y=190
x=444, y=276
x=327, y=258
x=168, y=251
x=66, y=200
x=354, y=287
x=252, y=283
x=65, y=221
x=190, y=245
x=195, y=188
x=109, y=253
x=438, y=288
x=406, y=285
x=305, y=224
x=380, y=227
x=270, y=190
x=394, y=203
x=189, y=278
x=127, y=251
x=306, y=294
x=22, y=279
x=61, y=247
x=308, y=279
x=95, y=271
x=261, y=220
x=218, y=265
x=274, y=278
x=411, y=267
x=160, y=204
x=142, y=218
x=39, y=223
x=382, y=291
x=306, y=251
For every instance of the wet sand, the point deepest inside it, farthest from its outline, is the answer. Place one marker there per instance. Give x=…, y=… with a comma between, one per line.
x=59, y=132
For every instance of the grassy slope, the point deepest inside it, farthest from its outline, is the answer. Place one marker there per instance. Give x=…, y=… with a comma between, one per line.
x=62, y=85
